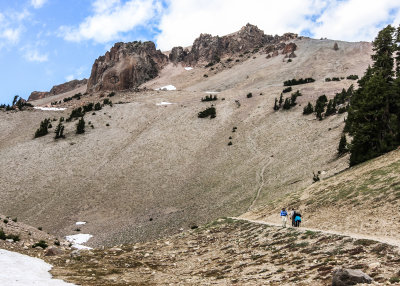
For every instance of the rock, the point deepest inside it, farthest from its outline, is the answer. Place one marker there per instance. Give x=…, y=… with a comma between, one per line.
x=126, y=66
x=374, y=265
x=38, y=95
x=289, y=48
x=177, y=55
x=58, y=89
x=53, y=251
x=344, y=277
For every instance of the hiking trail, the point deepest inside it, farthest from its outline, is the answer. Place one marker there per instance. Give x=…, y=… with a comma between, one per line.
x=387, y=240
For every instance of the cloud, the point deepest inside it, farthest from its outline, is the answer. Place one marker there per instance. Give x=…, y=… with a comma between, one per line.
x=350, y=20
x=356, y=20
x=33, y=55
x=38, y=3
x=69, y=77
x=111, y=18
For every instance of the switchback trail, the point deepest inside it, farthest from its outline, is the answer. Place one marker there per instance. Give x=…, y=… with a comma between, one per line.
x=387, y=240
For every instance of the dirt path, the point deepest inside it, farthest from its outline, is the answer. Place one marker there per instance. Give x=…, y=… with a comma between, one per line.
x=386, y=240
x=262, y=182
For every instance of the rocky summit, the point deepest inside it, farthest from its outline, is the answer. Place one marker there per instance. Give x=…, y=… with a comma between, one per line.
x=58, y=89
x=125, y=66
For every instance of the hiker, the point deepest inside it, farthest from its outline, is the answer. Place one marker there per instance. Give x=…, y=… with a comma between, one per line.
x=292, y=215
x=284, y=217
x=297, y=220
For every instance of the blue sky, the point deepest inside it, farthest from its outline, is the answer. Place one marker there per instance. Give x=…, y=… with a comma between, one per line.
x=47, y=42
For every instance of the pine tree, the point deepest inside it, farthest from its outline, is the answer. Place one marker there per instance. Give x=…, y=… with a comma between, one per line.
x=43, y=128
x=293, y=99
x=342, y=145
x=330, y=109
x=281, y=100
x=374, y=113
x=286, y=104
x=308, y=109
x=59, y=130
x=80, y=126
x=276, y=106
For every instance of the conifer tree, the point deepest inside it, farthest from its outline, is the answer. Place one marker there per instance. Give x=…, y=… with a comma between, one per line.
x=286, y=104
x=308, y=109
x=281, y=100
x=374, y=113
x=59, y=130
x=276, y=106
x=342, y=145
x=80, y=126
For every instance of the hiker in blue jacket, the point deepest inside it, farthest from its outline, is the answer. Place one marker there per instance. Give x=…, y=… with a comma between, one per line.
x=284, y=217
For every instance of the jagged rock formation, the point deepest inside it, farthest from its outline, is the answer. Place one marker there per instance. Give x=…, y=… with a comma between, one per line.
x=207, y=48
x=126, y=66
x=177, y=55
x=58, y=89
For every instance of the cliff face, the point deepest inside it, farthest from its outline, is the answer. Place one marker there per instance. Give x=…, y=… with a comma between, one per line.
x=128, y=65
x=58, y=89
x=207, y=48
x=125, y=66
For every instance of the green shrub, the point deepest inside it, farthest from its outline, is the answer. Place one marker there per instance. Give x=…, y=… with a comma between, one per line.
x=5, y=221
x=328, y=79
x=342, y=149
x=97, y=107
x=352, y=77
x=59, y=130
x=2, y=234
x=15, y=219
x=286, y=104
x=41, y=244
x=210, y=111
x=288, y=89
x=249, y=95
x=111, y=94
x=335, y=79
x=294, y=81
x=76, y=113
x=209, y=98
x=230, y=143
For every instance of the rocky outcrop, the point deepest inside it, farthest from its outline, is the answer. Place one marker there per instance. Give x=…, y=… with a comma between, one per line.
x=68, y=86
x=345, y=277
x=58, y=89
x=125, y=66
x=289, y=48
x=38, y=95
x=177, y=55
x=250, y=38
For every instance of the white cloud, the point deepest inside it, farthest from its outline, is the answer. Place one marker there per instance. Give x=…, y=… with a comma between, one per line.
x=350, y=20
x=38, y=3
x=110, y=19
x=33, y=55
x=186, y=19
x=11, y=35
x=69, y=77
x=356, y=20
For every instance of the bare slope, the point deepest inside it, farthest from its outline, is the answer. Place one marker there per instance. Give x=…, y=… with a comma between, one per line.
x=157, y=169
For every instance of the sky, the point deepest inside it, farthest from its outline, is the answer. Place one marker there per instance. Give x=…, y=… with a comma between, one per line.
x=49, y=42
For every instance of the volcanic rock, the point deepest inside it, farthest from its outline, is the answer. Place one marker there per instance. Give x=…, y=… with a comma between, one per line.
x=58, y=89
x=177, y=55
x=344, y=277
x=125, y=66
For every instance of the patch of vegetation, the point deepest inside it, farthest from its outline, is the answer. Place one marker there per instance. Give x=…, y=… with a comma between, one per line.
x=209, y=98
x=308, y=109
x=294, y=81
x=80, y=126
x=288, y=89
x=249, y=95
x=43, y=128
x=41, y=244
x=210, y=111
x=111, y=94
x=59, y=130
x=352, y=77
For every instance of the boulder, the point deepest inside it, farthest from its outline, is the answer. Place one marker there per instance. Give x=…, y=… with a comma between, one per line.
x=126, y=66
x=289, y=48
x=53, y=251
x=344, y=277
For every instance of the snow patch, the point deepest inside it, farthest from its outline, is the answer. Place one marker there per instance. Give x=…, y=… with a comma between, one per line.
x=78, y=239
x=167, y=87
x=21, y=270
x=49, y=108
x=212, y=92
x=164, y=103
x=188, y=68
x=80, y=222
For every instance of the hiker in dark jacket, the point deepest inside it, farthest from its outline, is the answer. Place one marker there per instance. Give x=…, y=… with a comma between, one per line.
x=297, y=220
x=291, y=216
